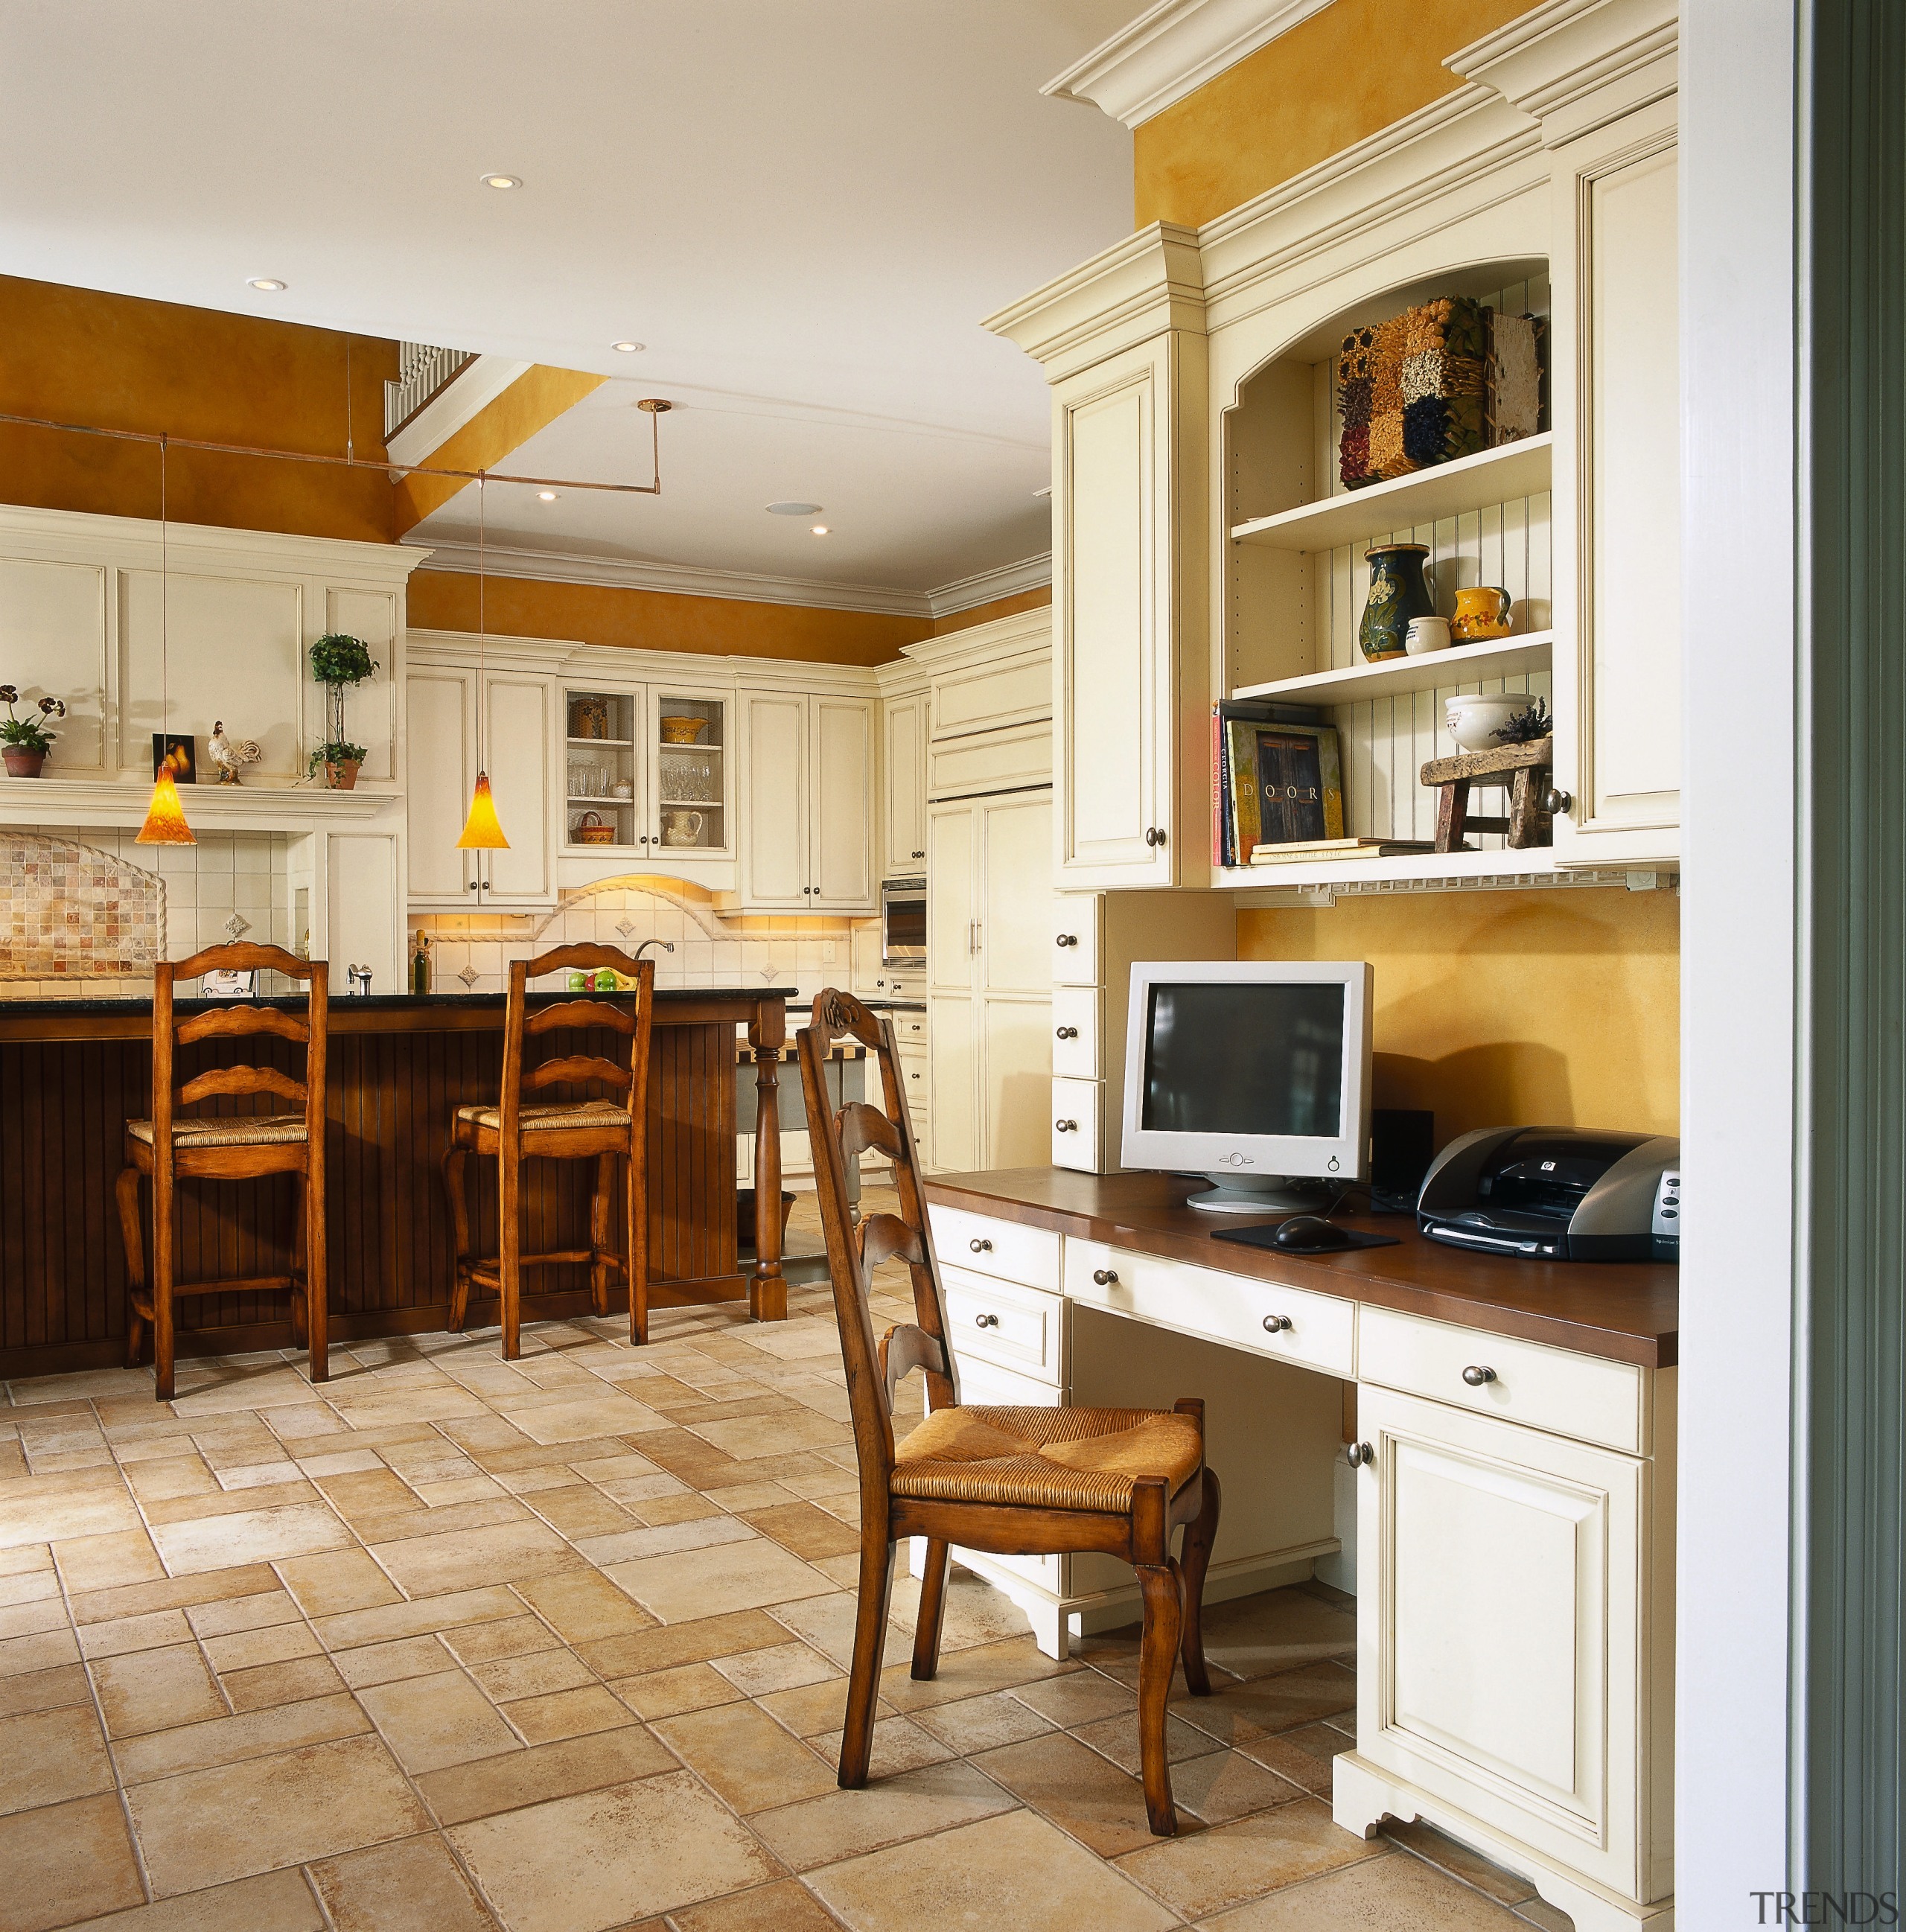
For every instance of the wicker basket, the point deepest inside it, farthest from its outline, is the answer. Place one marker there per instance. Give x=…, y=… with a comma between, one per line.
x=590, y=829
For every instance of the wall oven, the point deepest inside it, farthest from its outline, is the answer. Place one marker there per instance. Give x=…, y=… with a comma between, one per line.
x=903, y=922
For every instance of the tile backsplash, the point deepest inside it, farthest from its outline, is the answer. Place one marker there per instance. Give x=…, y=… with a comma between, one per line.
x=87, y=912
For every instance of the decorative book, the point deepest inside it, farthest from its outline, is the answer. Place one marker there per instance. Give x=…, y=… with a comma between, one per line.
x=1286, y=784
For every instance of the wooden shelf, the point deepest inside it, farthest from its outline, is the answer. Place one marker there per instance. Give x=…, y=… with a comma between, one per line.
x=606, y=744
x=1406, y=867
x=256, y=807
x=1469, y=483
x=1435, y=670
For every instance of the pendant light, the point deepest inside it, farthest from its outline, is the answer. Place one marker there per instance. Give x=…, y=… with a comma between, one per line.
x=482, y=831
x=165, y=817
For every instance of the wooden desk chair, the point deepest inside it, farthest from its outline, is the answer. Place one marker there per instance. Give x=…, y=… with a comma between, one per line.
x=173, y=1146
x=518, y=1128
x=1009, y=1481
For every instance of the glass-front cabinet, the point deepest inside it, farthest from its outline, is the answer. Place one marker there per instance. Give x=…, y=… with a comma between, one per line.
x=648, y=773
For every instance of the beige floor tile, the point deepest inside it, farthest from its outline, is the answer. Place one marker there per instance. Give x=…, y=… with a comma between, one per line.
x=973, y=1673
x=400, y=1524
x=697, y=1532
x=274, y=1902
x=65, y=1862
x=812, y=1710
x=176, y=1476
x=430, y=1722
x=421, y=1617
x=585, y=1417
x=1267, y=1705
x=44, y=1650
x=513, y=1779
x=105, y=1562
x=1436, y=1848
x=567, y=1713
x=44, y=1689
x=235, y=1496
x=1304, y=1756
x=1083, y=1698
x=465, y=1558
x=810, y=1533
x=1388, y=1893
x=232, y=1740
x=699, y=1583
x=663, y=1693
x=582, y=1511
x=412, y=1886
x=788, y=1906
x=583, y=1607
x=232, y=1614
x=899, y=1744
x=827, y=1622
x=1118, y=1739
x=536, y=1674
x=1206, y=1871
x=603, y=1858
x=982, y=1723
x=1224, y=1785
x=155, y=1690
x=507, y=1637
x=175, y=1593
x=331, y=1585
x=1015, y=1871
x=275, y=1643
x=745, y=1757
x=50, y=1511
x=30, y=1586
x=48, y=1756
x=785, y=1666
x=845, y=1824
x=748, y=1437
x=156, y=1628
x=248, y=1536
x=1100, y=1805
x=208, y=1827
x=288, y=1683
x=1257, y=1636
x=384, y=1662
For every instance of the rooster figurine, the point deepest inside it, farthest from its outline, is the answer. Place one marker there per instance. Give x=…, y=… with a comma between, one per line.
x=231, y=755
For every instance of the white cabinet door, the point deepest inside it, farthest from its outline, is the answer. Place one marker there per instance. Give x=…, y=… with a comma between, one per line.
x=840, y=873
x=904, y=785
x=1126, y=555
x=952, y=897
x=518, y=730
x=1015, y=888
x=1499, y=1638
x=681, y=784
x=954, y=1078
x=440, y=730
x=774, y=818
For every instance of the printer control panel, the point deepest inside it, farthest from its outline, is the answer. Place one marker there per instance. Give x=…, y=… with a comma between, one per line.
x=1666, y=1228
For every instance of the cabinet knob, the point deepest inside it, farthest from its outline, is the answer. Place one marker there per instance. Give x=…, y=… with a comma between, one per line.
x=1359, y=1455
x=1105, y=1277
x=985, y=1321
x=473, y=885
x=920, y=855
x=1155, y=835
x=980, y=1246
x=1068, y=1033
x=1561, y=802
x=1067, y=939
x=1276, y=1324
x=1476, y=1377
x=1066, y=1126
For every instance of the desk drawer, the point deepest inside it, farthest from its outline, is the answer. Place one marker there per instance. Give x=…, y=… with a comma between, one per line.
x=1078, y=1124
x=1076, y=1032
x=1554, y=1389
x=1076, y=939
x=1007, y=1250
x=1002, y=1324
x=1228, y=1308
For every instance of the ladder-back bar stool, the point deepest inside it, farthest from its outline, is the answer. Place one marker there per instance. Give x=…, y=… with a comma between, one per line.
x=174, y=1146
x=521, y=1127
x=1009, y=1481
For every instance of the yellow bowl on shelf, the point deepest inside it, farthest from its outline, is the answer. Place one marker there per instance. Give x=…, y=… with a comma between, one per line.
x=682, y=730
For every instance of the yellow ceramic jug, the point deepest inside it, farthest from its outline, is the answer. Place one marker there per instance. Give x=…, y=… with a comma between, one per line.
x=1482, y=610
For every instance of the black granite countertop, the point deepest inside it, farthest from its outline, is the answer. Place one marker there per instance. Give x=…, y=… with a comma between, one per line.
x=375, y=1002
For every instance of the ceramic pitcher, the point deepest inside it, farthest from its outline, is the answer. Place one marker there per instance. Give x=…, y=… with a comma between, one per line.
x=1482, y=610
x=680, y=828
x=1398, y=593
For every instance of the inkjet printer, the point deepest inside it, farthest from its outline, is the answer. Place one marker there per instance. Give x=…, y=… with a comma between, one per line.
x=1573, y=1194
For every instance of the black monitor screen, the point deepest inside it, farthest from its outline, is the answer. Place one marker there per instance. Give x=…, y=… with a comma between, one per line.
x=1241, y=1056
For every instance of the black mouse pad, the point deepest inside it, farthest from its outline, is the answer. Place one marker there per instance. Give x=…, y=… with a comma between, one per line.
x=1265, y=1236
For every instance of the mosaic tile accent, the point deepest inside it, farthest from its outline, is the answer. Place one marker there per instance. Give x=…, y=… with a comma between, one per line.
x=70, y=911
x=238, y=926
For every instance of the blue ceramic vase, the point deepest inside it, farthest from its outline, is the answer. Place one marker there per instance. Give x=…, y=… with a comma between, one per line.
x=1398, y=593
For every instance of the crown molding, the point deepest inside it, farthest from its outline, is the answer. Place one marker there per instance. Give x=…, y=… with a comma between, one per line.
x=1151, y=280
x=473, y=388
x=987, y=586
x=1171, y=50
x=1025, y=630
x=1573, y=65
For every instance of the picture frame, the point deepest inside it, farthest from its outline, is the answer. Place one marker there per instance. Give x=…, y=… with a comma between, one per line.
x=1286, y=783
x=181, y=753
x=222, y=984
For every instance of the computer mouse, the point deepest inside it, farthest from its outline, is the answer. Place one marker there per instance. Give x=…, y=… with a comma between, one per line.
x=1309, y=1234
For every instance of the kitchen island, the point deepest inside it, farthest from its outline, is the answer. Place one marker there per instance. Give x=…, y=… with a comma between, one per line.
x=72, y=1071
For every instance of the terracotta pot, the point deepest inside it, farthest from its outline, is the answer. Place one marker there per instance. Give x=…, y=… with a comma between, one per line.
x=342, y=777
x=23, y=764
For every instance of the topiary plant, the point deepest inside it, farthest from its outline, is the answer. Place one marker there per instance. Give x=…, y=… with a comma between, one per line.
x=338, y=661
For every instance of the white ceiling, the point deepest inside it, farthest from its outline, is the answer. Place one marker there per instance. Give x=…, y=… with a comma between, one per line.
x=803, y=209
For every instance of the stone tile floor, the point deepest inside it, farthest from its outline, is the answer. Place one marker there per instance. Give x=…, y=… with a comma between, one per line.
x=558, y=1646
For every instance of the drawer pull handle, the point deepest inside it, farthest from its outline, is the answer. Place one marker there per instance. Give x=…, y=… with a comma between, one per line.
x=1065, y=1127
x=985, y=1321
x=1476, y=1377
x=1359, y=1455
x=1068, y=1033
x=1276, y=1324
x=1066, y=939
x=979, y=1245
x=1105, y=1277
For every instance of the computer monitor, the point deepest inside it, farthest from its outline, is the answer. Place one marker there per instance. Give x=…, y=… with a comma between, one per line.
x=1254, y=1073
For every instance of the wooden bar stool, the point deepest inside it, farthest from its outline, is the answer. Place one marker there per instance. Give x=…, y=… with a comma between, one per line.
x=1023, y=1482
x=515, y=1130
x=172, y=1146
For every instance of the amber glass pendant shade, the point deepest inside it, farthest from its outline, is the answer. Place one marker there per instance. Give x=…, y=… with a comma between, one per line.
x=481, y=830
x=165, y=817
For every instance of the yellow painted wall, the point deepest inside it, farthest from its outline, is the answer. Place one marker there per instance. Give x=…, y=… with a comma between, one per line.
x=1000, y=606
x=119, y=362
x=1326, y=85
x=1558, y=1008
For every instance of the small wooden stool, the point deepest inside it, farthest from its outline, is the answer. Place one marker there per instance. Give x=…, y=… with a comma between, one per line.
x=173, y=1147
x=603, y=1130
x=1526, y=768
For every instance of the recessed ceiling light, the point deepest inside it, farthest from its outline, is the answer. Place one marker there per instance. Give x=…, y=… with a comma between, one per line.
x=502, y=181
x=546, y=496
x=791, y=509
x=269, y=285
x=628, y=348
x=821, y=529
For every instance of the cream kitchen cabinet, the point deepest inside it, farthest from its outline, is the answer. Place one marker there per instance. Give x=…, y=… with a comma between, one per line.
x=678, y=814
x=518, y=711
x=903, y=784
x=989, y=988
x=807, y=802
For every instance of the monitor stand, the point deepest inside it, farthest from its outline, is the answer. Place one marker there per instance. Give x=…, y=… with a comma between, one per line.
x=1233, y=1193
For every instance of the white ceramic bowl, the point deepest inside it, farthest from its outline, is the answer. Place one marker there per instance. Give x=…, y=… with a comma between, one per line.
x=1476, y=716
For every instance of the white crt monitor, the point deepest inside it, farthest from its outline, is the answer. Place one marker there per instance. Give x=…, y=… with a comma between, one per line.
x=1254, y=1073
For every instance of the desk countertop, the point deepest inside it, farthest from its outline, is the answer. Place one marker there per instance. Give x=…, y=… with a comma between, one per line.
x=1623, y=1312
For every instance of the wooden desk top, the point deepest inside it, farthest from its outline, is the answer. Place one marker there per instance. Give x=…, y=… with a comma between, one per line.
x=1622, y=1311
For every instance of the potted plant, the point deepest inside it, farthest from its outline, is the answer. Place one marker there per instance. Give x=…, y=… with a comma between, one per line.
x=338, y=662
x=26, y=741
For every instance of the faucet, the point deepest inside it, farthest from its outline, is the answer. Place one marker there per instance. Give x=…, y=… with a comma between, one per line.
x=357, y=974
x=667, y=945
